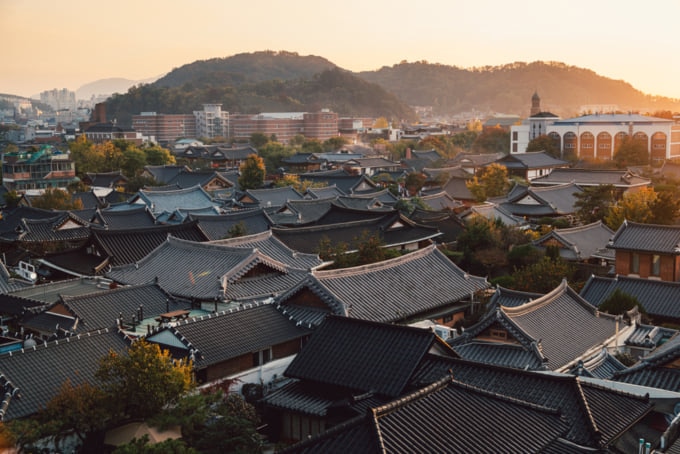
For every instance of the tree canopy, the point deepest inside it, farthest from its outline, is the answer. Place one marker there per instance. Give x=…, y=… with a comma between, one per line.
x=252, y=173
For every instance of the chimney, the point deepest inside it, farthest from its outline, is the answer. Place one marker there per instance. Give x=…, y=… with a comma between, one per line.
x=408, y=153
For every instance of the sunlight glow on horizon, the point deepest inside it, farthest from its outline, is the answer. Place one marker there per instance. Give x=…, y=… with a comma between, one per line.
x=74, y=42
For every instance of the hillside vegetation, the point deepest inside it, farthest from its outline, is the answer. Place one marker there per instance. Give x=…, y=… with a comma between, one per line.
x=508, y=88
x=285, y=81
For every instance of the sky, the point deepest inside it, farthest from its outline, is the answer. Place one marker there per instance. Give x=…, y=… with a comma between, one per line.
x=68, y=43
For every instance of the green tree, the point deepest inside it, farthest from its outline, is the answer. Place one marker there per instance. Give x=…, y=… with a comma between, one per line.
x=620, y=302
x=142, y=446
x=12, y=199
x=631, y=152
x=545, y=143
x=138, y=182
x=492, y=140
x=414, y=182
x=158, y=156
x=214, y=421
x=238, y=229
x=334, y=143
x=141, y=382
x=252, y=173
x=133, y=162
x=273, y=154
x=312, y=146
x=542, y=276
x=258, y=140
x=593, y=203
x=464, y=140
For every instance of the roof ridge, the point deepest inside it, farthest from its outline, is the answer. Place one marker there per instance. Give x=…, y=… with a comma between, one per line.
x=409, y=257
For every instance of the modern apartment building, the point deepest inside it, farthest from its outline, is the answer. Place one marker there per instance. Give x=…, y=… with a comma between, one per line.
x=59, y=99
x=165, y=128
x=212, y=122
x=46, y=168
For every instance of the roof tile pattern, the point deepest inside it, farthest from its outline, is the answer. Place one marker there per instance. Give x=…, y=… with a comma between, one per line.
x=634, y=236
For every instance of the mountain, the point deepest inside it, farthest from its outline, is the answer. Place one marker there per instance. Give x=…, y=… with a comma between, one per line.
x=285, y=81
x=508, y=88
x=260, y=82
x=246, y=68
x=107, y=87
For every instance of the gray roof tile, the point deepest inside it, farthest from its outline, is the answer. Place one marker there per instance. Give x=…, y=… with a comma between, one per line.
x=634, y=236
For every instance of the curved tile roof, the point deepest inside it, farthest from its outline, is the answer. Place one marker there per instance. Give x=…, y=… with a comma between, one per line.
x=635, y=236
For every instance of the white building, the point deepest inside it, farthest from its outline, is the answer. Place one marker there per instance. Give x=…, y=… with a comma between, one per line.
x=212, y=121
x=59, y=99
x=597, y=136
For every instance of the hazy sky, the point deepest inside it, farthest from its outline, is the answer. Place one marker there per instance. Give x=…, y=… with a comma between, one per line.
x=67, y=43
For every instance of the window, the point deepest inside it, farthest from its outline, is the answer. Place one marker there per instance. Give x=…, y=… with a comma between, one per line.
x=656, y=265
x=635, y=263
x=498, y=333
x=514, y=135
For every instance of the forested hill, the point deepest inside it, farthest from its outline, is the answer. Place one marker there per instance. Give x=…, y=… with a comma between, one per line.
x=246, y=68
x=285, y=81
x=260, y=82
x=508, y=88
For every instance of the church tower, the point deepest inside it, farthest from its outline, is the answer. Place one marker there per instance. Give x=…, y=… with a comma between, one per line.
x=535, y=104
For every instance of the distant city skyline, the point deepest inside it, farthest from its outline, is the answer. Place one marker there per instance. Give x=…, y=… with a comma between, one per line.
x=70, y=43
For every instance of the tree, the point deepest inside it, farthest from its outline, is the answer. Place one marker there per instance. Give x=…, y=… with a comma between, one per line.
x=593, y=203
x=464, y=140
x=273, y=154
x=631, y=152
x=252, y=173
x=334, y=143
x=312, y=146
x=492, y=182
x=634, y=206
x=56, y=199
x=414, y=182
x=545, y=143
x=142, y=446
x=158, y=156
x=138, y=182
x=620, y=302
x=12, y=199
x=258, y=139
x=543, y=276
x=214, y=421
x=133, y=162
x=492, y=140
x=141, y=382
x=665, y=208
x=238, y=229
x=381, y=123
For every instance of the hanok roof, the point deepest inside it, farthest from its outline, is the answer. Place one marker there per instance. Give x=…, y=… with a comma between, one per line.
x=430, y=155
x=269, y=245
x=369, y=201
x=635, y=236
x=274, y=197
x=301, y=212
x=89, y=199
x=363, y=355
x=215, y=338
x=475, y=160
x=105, y=179
x=8, y=283
x=53, y=291
x=372, y=163
x=511, y=298
x=601, y=365
x=440, y=201
x=137, y=216
x=597, y=416
x=530, y=160
x=577, y=243
x=560, y=327
x=188, y=179
x=62, y=227
x=649, y=336
x=164, y=173
x=345, y=182
x=102, y=309
x=124, y=246
x=194, y=198
x=433, y=419
x=658, y=369
x=326, y=192
x=391, y=290
x=659, y=298
x=210, y=272
x=217, y=227
x=446, y=221
x=544, y=201
x=392, y=229
x=493, y=212
x=586, y=177
x=33, y=376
